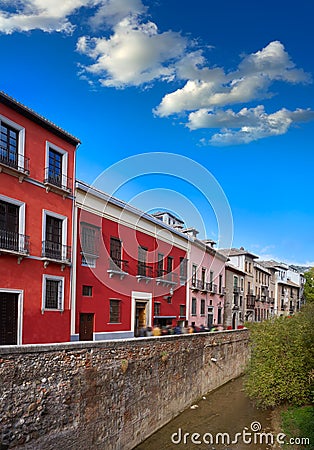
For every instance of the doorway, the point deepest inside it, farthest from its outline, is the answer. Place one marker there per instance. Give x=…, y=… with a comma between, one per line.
x=8, y=318
x=140, y=317
x=210, y=317
x=86, y=326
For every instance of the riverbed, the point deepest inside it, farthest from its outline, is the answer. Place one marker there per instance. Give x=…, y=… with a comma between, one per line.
x=223, y=419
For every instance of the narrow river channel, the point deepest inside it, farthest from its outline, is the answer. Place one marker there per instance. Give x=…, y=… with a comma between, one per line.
x=226, y=410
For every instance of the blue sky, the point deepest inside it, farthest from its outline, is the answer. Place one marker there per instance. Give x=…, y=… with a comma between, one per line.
x=228, y=85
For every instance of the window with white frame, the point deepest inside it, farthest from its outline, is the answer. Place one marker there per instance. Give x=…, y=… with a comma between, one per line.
x=12, y=225
x=53, y=293
x=193, y=307
x=56, y=169
x=90, y=243
x=54, y=237
x=12, y=138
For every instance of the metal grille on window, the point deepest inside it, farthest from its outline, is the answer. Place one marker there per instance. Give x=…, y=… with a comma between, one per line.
x=53, y=299
x=115, y=311
x=90, y=240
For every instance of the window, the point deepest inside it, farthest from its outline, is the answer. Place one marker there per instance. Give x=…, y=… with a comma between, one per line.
x=193, y=311
x=235, y=282
x=12, y=225
x=219, y=316
x=9, y=226
x=115, y=252
x=55, y=237
x=114, y=311
x=53, y=242
x=156, y=309
x=53, y=292
x=160, y=265
x=182, y=311
x=211, y=279
x=183, y=268
x=87, y=291
x=220, y=284
x=169, y=264
x=57, y=167
x=142, y=268
x=12, y=145
x=194, y=269
x=169, y=268
x=242, y=284
x=245, y=266
x=9, y=145
x=203, y=277
x=202, y=307
x=90, y=239
x=250, y=267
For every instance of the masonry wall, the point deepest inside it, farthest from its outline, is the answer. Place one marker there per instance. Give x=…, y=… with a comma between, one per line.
x=109, y=395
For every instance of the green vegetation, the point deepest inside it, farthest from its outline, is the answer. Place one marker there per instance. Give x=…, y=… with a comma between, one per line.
x=309, y=285
x=298, y=423
x=281, y=369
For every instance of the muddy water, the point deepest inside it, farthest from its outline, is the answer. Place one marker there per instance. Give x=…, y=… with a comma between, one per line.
x=226, y=410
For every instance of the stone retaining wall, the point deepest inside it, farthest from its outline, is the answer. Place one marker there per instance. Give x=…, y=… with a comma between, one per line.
x=109, y=395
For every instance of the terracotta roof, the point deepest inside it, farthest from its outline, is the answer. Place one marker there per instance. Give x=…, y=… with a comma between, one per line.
x=35, y=117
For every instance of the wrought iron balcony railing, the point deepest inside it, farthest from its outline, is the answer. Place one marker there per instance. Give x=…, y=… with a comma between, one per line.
x=14, y=242
x=144, y=270
x=56, y=251
x=118, y=265
x=57, y=180
x=166, y=277
x=250, y=301
x=15, y=161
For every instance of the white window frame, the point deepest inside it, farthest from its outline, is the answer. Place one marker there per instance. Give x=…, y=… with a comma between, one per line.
x=61, y=301
x=64, y=153
x=21, y=206
x=88, y=261
x=56, y=216
x=21, y=138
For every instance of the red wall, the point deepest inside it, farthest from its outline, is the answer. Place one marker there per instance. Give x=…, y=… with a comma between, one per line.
x=50, y=326
x=105, y=288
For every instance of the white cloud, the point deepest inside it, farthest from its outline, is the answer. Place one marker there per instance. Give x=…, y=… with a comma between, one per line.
x=113, y=11
x=40, y=14
x=45, y=15
x=134, y=54
x=215, y=88
x=250, y=124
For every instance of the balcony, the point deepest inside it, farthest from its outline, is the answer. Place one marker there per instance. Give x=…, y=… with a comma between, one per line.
x=56, y=252
x=250, y=301
x=57, y=182
x=14, y=243
x=166, y=278
x=213, y=288
x=197, y=285
x=222, y=291
x=14, y=163
x=144, y=272
x=236, y=290
x=119, y=267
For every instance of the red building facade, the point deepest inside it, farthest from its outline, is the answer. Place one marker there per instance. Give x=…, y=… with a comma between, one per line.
x=130, y=269
x=37, y=162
